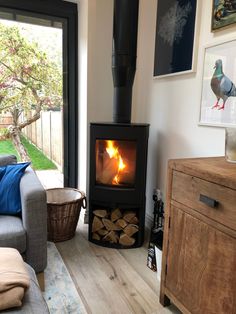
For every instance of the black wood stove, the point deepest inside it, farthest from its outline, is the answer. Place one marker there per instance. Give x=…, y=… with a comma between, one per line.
x=118, y=150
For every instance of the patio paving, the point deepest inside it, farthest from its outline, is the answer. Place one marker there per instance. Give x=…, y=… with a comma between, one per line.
x=50, y=178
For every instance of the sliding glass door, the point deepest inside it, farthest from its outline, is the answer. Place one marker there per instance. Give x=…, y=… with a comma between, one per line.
x=38, y=82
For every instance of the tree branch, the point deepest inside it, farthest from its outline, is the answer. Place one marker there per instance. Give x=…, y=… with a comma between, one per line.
x=7, y=66
x=6, y=106
x=36, y=115
x=32, y=119
x=34, y=78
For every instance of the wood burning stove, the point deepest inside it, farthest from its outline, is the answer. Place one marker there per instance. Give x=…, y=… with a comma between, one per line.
x=118, y=158
x=118, y=151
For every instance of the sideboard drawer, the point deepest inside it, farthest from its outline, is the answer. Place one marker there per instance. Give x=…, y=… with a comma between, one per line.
x=215, y=201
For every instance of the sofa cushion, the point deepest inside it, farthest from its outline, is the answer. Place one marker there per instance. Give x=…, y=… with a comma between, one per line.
x=10, y=202
x=7, y=160
x=12, y=233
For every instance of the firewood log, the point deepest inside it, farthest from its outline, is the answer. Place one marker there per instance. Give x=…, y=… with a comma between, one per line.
x=111, y=237
x=134, y=220
x=128, y=215
x=121, y=223
x=126, y=240
x=115, y=214
x=100, y=213
x=102, y=232
x=131, y=229
x=96, y=236
x=107, y=170
x=97, y=224
x=109, y=225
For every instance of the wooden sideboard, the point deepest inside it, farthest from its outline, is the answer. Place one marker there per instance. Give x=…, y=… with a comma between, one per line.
x=199, y=250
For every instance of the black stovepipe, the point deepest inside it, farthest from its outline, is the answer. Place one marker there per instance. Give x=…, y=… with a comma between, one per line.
x=124, y=47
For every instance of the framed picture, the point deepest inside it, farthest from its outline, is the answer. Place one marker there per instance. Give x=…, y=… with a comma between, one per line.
x=223, y=13
x=218, y=101
x=175, y=32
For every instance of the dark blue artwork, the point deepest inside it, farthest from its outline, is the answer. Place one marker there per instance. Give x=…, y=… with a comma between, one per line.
x=174, y=36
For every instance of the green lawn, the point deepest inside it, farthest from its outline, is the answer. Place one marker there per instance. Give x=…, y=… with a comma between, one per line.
x=6, y=147
x=38, y=159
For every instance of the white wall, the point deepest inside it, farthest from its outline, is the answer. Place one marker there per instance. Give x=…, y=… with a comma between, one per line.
x=95, y=78
x=100, y=89
x=171, y=105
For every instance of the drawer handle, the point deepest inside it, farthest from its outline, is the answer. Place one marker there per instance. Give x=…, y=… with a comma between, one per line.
x=208, y=201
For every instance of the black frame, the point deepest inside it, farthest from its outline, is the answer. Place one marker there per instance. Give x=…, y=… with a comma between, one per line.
x=67, y=11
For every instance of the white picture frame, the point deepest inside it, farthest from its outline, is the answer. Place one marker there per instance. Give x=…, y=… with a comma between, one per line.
x=185, y=40
x=216, y=84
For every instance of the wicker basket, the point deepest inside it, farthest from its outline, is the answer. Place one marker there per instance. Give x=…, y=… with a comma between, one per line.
x=63, y=205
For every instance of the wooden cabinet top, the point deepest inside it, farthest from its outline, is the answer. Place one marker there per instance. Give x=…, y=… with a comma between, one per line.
x=213, y=169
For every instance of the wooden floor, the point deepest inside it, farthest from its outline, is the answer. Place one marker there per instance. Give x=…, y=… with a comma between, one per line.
x=111, y=281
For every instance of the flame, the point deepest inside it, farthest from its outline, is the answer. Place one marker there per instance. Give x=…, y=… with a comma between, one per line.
x=113, y=152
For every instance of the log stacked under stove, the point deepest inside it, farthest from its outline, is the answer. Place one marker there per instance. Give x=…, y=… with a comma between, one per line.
x=115, y=226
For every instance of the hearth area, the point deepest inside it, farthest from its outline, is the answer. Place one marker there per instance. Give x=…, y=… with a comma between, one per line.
x=118, y=150
x=118, y=158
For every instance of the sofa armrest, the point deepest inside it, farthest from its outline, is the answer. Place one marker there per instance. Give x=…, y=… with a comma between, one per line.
x=34, y=218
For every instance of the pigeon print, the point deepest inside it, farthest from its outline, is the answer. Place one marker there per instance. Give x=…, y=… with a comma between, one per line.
x=221, y=85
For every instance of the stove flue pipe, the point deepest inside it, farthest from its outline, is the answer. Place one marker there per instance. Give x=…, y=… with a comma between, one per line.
x=124, y=47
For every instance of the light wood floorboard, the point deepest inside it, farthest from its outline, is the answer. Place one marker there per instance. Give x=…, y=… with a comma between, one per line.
x=111, y=281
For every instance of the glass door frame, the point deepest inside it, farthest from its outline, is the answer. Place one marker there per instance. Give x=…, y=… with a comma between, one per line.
x=67, y=11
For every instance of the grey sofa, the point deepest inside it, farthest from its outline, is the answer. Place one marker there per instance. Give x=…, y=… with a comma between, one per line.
x=28, y=233
x=33, y=302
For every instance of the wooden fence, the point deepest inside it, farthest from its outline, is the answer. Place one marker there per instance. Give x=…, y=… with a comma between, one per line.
x=5, y=120
x=47, y=134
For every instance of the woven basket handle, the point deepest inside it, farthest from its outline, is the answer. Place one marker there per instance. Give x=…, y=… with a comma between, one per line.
x=84, y=201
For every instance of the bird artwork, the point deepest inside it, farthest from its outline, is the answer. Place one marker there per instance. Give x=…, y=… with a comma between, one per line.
x=221, y=85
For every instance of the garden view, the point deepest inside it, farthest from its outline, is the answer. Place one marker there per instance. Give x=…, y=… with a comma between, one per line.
x=31, y=93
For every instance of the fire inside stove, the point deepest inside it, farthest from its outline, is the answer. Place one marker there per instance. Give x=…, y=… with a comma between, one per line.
x=115, y=162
